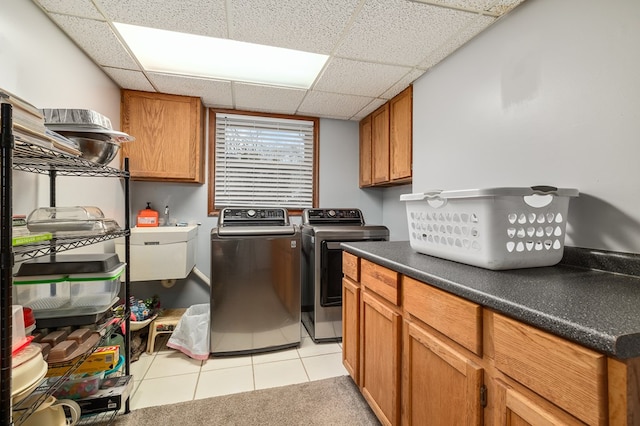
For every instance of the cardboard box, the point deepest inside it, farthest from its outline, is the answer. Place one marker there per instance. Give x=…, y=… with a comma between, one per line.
x=102, y=359
x=111, y=395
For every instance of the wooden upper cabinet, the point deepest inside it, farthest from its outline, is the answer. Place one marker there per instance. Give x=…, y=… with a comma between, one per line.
x=386, y=143
x=169, y=134
x=365, y=152
x=380, y=144
x=400, y=136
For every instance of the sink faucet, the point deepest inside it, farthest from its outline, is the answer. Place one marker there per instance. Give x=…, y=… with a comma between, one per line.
x=166, y=216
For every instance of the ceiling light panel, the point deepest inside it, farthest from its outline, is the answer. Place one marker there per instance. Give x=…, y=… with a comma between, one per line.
x=187, y=54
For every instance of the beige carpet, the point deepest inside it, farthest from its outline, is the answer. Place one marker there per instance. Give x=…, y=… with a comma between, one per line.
x=334, y=401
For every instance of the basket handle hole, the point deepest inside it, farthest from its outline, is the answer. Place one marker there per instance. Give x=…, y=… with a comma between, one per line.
x=436, y=202
x=537, y=200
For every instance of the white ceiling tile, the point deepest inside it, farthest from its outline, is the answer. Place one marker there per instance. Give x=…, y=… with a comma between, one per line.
x=332, y=105
x=214, y=93
x=358, y=78
x=471, y=5
x=494, y=6
x=263, y=98
x=400, y=32
x=372, y=106
x=134, y=80
x=402, y=84
x=82, y=8
x=187, y=16
x=311, y=26
x=503, y=6
x=377, y=47
x=476, y=26
x=97, y=40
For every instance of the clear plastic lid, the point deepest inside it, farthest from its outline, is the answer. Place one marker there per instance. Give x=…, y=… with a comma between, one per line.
x=76, y=213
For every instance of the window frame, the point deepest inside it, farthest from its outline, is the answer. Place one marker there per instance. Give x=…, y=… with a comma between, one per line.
x=211, y=160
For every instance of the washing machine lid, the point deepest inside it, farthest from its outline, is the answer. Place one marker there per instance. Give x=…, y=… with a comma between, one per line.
x=250, y=231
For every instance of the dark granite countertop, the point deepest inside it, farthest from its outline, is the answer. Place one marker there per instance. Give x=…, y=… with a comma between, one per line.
x=597, y=309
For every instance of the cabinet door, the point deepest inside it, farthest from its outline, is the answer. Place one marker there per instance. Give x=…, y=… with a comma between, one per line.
x=380, y=380
x=441, y=385
x=513, y=408
x=365, y=152
x=380, y=144
x=351, y=328
x=169, y=143
x=400, y=137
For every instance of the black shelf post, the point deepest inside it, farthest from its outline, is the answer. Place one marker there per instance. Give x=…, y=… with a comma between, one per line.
x=6, y=263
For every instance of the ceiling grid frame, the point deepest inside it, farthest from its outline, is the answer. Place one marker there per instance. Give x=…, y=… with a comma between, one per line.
x=375, y=76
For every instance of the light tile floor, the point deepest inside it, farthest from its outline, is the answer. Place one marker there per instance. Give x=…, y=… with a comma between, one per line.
x=168, y=376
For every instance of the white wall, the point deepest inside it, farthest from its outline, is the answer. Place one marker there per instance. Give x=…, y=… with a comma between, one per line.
x=41, y=65
x=548, y=95
x=339, y=171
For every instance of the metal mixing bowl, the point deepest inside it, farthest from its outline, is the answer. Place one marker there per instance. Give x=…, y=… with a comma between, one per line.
x=94, y=147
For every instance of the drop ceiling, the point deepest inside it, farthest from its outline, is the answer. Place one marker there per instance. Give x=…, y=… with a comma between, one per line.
x=376, y=48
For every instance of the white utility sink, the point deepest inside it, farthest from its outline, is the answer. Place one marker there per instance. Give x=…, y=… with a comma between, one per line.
x=161, y=253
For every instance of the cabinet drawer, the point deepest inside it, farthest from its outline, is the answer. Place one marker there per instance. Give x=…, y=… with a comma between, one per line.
x=351, y=266
x=380, y=280
x=458, y=319
x=571, y=376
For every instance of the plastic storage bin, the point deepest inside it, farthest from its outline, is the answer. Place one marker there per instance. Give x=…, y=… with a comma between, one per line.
x=41, y=292
x=97, y=290
x=79, y=385
x=84, y=285
x=494, y=228
x=18, y=331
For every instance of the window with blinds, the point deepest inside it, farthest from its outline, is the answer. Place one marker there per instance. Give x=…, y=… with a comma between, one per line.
x=263, y=161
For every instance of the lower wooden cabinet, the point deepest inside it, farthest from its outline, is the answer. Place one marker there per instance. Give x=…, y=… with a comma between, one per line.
x=351, y=328
x=380, y=369
x=513, y=408
x=441, y=386
x=422, y=356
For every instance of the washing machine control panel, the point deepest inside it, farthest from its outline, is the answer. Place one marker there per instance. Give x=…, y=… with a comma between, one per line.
x=253, y=216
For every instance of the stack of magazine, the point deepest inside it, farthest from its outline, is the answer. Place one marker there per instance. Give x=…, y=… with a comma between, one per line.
x=28, y=126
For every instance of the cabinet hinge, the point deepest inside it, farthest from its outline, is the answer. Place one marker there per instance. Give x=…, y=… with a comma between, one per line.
x=483, y=396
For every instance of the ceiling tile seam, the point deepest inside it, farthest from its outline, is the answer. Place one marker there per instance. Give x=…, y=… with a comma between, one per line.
x=457, y=8
x=363, y=108
x=367, y=61
x=340, y=40
x=347, y=28
x=227, y=13
x=124, y=44
x=453, y=36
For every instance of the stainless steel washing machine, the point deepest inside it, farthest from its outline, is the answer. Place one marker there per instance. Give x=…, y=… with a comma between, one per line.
x=322, y=232
x=255, y=281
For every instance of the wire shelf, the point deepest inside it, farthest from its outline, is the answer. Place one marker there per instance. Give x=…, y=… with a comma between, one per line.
x=37, y=159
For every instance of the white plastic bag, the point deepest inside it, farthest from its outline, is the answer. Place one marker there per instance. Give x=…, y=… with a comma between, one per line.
x=191, y=335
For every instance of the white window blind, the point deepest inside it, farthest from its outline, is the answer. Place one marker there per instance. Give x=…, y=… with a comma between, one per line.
x=263, y=162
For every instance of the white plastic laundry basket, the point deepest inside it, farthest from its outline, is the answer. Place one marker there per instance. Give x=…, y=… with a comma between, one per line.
x=494, y=228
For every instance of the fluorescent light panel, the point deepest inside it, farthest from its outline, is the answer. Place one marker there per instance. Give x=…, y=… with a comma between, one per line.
x=193, y=55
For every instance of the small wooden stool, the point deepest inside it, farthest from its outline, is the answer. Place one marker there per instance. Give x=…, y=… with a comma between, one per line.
x=164, y=323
